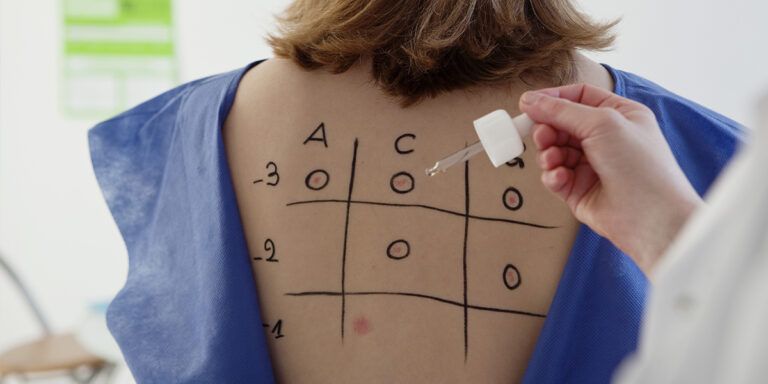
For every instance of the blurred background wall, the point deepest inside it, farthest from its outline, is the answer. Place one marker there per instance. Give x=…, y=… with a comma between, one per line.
x=54, y=226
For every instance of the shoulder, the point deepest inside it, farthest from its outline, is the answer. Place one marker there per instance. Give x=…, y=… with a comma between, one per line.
x=212, y=95
x=167, y=105
x=280, y=84
x=702, y=140
x=275, y=75
x=671, y=106
x=129, y=151
x=269, y=86
x=279, y=93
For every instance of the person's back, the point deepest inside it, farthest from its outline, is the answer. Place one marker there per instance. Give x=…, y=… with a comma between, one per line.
x=367, y=269
x=334, y=258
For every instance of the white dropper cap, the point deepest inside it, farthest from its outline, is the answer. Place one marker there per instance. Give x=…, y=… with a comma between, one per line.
x=502, y=136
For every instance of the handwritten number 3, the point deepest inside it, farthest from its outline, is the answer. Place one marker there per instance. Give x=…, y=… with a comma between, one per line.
x=273, y=175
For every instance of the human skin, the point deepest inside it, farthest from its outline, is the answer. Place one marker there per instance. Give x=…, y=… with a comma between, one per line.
x=606, y=158
x=373, y=290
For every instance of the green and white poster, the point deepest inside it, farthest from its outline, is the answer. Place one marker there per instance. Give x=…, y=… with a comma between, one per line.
x=117, y=53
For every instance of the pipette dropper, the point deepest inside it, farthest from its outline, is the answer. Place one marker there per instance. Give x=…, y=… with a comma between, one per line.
x=501, y=137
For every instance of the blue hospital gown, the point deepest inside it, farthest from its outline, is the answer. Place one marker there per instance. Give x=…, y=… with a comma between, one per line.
x=189, y=310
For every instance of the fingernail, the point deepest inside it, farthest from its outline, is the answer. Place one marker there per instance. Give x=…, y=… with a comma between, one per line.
x=530, y=97
x=540, y=160
x=547, y=178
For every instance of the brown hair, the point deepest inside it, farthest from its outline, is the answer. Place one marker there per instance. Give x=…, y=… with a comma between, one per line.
x=420, y=48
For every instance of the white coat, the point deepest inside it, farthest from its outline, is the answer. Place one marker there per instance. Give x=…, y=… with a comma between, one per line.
x=707, y=316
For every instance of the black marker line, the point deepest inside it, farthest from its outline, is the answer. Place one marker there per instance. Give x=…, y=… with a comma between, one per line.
x=269, y=246
x=464, y=258
x=258, y=181
x=418, y=295
x=346, y=235
x=308, y=180
x=448, y=211
x=399, y=241
x=404, y=190
x=516, y=162
x=320, y=128
x=465, y=155
x=506, y=281
x=505, y=201
x=397, y=143
x=273, y=173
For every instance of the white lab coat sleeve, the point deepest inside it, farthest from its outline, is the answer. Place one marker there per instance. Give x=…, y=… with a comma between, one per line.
x=707, y=315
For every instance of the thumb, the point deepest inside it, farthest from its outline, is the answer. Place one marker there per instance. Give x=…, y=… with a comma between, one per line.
x=577, y=119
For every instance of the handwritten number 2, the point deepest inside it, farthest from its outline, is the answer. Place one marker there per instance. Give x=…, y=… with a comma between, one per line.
x=269, y=246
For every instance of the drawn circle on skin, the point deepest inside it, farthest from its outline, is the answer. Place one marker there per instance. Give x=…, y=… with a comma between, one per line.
x=398, y=249
x=511, y=277
x=317, y=179
x=402, y=182
x=512, y=199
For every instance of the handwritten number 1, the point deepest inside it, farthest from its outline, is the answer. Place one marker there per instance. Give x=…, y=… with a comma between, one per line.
x=277, y=329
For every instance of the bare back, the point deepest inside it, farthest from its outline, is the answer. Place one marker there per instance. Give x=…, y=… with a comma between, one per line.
x=367, y=270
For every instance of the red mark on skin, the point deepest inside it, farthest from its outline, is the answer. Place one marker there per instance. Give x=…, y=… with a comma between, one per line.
x=513, y=200
x=512, y=277
x=361, y=325
x=316, y=180
x=403, y=182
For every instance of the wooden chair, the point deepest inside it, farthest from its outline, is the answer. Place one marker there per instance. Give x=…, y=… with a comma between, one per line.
x=51, y=354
